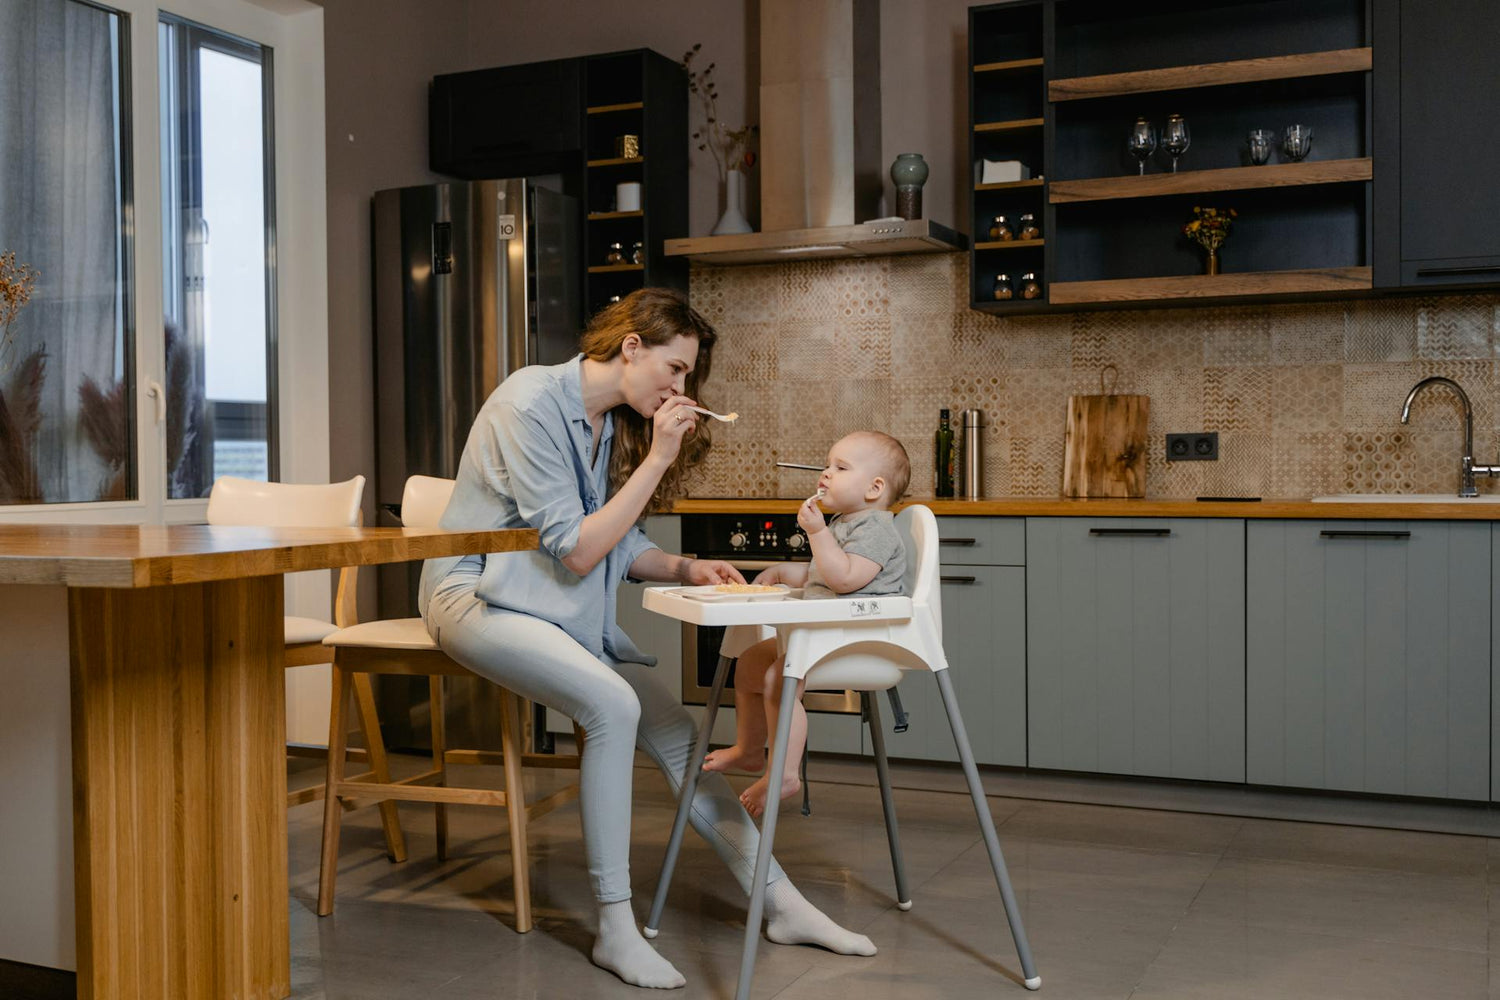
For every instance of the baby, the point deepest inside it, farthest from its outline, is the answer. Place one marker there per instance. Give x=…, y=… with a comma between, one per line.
x=860, y=552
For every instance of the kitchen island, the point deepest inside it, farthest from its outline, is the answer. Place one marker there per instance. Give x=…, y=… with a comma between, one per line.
x=178, y=731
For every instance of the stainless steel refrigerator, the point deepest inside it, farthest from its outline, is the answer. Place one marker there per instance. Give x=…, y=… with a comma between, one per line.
x=472, y=281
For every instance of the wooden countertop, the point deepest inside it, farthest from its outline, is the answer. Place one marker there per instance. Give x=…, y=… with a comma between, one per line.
x=1287, y=507
x=113, y=555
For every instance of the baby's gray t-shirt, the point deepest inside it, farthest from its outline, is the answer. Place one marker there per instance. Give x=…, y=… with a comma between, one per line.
x=868, y=533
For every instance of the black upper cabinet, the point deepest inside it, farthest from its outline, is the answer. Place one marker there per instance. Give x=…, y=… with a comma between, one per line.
x=1438, y=134
x=508, y=121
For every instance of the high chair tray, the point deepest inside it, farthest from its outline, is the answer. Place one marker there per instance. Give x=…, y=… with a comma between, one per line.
x=671, y=602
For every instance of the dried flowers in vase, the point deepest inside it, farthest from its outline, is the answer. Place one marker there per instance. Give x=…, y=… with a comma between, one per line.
x=16, y=282
x=1209, y=229
x=730, y=147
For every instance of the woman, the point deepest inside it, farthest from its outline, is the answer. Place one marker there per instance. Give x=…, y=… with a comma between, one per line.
x=580, y=451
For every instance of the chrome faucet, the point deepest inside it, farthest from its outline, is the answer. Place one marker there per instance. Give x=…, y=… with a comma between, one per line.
x=1466, y=486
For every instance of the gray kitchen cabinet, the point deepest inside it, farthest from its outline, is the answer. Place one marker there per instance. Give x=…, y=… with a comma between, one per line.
x=984, y=637
x=1368, y=656
x=1136, y=646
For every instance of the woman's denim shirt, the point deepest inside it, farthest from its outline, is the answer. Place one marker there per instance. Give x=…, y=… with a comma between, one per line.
x=526, y=465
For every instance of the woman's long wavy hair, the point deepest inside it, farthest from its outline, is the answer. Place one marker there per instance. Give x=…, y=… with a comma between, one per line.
x=658, y=316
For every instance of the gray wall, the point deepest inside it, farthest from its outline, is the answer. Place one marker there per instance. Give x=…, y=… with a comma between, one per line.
x=381, y=54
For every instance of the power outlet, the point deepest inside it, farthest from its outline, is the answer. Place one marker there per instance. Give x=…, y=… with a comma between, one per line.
x=1201, y=447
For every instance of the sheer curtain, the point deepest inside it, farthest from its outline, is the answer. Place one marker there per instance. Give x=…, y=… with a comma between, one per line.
x=62, y=192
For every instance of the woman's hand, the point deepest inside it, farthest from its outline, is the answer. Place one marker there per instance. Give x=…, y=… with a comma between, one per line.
x=669, y=426
x=810, y=517
x=706, y=571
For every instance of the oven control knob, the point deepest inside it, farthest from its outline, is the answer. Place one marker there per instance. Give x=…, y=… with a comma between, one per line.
x=796, y=541
x=738, y=540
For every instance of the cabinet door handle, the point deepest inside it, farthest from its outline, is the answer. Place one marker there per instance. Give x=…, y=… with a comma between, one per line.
x=1130, y=532
x=1432, y=272
x=958, y=541
x=1366, y=534
x=956, y=579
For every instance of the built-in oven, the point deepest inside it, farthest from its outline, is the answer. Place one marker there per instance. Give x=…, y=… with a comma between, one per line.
x=750, y=543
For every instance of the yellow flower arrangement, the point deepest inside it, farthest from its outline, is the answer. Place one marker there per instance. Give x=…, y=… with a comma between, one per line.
x=1210, y=227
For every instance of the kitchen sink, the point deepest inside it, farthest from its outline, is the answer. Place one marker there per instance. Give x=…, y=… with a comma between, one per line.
x=1406, y=498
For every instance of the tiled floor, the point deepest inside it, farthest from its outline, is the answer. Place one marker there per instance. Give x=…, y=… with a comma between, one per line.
x=1119, y=902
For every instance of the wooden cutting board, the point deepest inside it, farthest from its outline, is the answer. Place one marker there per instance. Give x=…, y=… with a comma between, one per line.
x=1104, y=451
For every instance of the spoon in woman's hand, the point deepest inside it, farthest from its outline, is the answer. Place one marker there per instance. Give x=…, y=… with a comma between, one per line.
x=728, y=418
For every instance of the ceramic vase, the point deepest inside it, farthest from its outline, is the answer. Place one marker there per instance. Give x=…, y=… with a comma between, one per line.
x=909, y=173
x=733, y=219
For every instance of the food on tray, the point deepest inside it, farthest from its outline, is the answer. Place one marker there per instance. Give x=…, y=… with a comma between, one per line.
x=745, y=588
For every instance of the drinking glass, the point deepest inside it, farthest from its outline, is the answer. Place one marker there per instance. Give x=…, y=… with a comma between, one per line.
x=1297, y=141
x=1142, y=142
x=1261, y=141
x=1175, y=138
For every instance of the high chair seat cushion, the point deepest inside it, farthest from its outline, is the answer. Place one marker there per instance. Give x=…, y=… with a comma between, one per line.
x=303, y=630
x=391, y=633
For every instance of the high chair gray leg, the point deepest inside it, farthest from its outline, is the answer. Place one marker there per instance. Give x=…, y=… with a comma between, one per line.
x=987, y=827
x=767, y=837
x=685, y=798
x=883, y=769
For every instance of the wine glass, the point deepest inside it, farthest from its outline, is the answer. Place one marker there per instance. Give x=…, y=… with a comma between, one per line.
x=1297, y=142
x=1142, y=142
x=1175, y=138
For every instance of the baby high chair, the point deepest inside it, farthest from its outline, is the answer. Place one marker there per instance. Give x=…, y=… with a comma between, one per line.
x=848, y=643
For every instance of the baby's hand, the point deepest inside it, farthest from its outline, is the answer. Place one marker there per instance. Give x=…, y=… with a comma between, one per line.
x=810, y=516
x=769, y=575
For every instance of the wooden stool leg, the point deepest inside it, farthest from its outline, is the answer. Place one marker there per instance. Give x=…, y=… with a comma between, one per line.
x=369, y=724
x=439, y=757
x=515, y=803
x=332, y=809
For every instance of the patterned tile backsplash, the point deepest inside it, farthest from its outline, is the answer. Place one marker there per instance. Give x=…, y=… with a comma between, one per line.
x=1306, y=397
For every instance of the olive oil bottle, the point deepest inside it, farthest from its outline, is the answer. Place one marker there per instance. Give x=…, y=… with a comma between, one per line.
x=943, y=481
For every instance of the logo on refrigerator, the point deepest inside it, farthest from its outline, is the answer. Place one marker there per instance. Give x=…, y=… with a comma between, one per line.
x=507, y=227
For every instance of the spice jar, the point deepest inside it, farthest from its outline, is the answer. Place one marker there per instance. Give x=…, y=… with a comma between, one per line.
x=1003, y=289
x=1029, y=228
x=616, y=255
x=1030, y=287
x=1000, y=229
x=638, y=253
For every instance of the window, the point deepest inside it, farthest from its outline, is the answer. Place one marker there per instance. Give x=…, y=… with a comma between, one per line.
x=218, y=245
x=67, y=428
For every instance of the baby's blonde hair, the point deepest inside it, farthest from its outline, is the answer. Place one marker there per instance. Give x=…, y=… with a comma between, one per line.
x=895, y=466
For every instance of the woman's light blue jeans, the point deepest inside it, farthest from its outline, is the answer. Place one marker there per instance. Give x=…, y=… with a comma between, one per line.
x=620, y=706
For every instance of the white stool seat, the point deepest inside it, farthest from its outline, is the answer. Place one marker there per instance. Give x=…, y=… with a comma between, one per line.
x=391, y=633
x=301, y=630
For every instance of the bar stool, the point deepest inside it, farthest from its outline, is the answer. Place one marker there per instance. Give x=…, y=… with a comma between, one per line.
x=850, y=643
x=403, y=646
x=250, y=503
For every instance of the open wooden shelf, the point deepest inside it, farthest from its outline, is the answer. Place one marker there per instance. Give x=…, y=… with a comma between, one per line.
x=1008, y=244
x=1006, y=185
x=601, y=216
x=1211, y=74
x=1019, y=123
x=604, y=109
x=1270, y=175
x=1206, y=286
x=1008, y=66
x=612, y=268
x=617, y=161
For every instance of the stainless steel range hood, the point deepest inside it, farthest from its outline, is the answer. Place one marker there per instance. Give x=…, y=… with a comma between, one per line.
x=870, y=239
x=821, y=156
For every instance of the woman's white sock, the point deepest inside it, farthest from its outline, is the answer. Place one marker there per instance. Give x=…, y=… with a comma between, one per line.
x=621, y=949
x=791, y=919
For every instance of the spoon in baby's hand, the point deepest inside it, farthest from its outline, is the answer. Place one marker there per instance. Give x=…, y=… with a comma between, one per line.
x=728, y=418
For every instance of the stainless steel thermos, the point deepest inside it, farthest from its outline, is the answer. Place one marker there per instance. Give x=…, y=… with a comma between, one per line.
x=971, y=451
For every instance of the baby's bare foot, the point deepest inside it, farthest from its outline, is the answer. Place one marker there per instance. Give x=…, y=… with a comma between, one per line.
x=754, y=797
x=736, y=758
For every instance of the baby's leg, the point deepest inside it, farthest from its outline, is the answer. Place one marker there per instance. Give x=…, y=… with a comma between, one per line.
x=754, y=797
x=748, y=752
